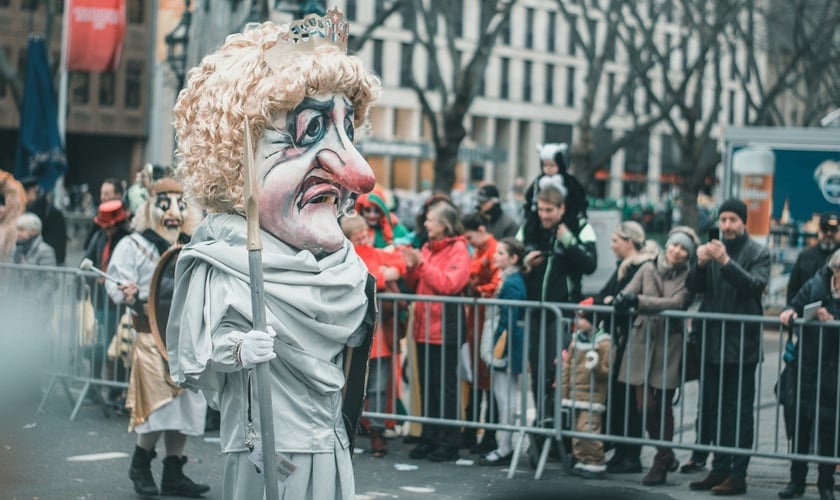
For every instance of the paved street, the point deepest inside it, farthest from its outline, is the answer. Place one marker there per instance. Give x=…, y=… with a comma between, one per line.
x=49, y=457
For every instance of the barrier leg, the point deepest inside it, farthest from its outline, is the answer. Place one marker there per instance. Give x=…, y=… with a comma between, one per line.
x=517, y=454
x=543, y=457
x=46, y=396
x=96, y=396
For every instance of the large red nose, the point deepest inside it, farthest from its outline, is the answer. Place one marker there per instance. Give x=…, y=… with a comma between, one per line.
x=349, y=168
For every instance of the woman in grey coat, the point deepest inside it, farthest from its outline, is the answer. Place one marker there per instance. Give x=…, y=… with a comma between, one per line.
x=651, y=361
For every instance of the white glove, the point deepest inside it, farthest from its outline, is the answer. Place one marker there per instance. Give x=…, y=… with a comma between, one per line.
x=592, y=359
x=255, y=347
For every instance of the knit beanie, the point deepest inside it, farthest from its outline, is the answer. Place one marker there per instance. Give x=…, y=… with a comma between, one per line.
x=735, y=206
x=682, y=239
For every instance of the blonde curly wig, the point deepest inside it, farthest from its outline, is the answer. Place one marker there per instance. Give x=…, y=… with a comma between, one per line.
x=235, y=82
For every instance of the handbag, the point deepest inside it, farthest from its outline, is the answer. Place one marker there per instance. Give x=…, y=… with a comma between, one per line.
x=785, y=388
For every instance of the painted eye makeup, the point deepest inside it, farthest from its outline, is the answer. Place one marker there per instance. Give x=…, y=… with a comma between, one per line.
x=314, y=129
x=163, y=202
x=349, y=129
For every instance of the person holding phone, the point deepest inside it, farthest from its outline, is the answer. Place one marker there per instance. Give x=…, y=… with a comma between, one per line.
x=731, y=273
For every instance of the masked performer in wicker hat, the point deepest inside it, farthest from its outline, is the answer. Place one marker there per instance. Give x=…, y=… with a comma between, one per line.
x=158, y=406
x=305, y=99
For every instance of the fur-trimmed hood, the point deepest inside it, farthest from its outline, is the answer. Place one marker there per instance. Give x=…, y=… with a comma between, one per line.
x=648, y=252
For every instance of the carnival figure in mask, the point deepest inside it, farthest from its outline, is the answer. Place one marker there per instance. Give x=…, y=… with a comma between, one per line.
x=305, y=100
x=158, y=406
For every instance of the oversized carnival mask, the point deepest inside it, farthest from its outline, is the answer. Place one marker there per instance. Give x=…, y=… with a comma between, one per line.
x=306, y=169
x=168, y=211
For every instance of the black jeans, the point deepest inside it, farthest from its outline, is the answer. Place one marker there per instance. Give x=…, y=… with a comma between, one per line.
x=438, y=371
x=730, y=415
x=801, y=436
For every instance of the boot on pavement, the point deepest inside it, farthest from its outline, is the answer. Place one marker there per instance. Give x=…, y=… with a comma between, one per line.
x=707, y=483
x=140, y=472
x=175, y=483
x=793, y=490
x=663, y=462
x=731, y=486
x=826, y=493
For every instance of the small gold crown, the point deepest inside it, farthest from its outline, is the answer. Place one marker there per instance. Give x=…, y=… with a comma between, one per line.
x=304, y=35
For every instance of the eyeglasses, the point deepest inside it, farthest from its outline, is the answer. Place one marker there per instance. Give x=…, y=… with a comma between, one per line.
x=829, y=229
x=370, y=210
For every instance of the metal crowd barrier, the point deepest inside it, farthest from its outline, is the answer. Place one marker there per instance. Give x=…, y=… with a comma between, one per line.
x=63, y=324
x=693, y=415
x=51, y=329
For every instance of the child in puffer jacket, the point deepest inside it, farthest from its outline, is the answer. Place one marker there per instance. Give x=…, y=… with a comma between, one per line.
x=586, y=368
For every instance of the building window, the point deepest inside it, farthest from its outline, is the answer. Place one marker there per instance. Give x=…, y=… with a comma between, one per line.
x=79, y=87
x=572, y=31
x=3, y=4
x=610, y=88
x=549, y=84
x=378, y=8
x=570, y=87
x=405, y=60
x=377, y=59
x=630, y=103
x=636, y=155
x=107, y=88
x=552, y=32
x=745, y=119
x=667, y=61
x=506, y=31
x=133, y=84
x=526, y=82
x=29, y=4
x=731, y=118
x=457, y=13
x=134, y=11
x=733, y=63
x=504, y=91
x=350, y=9
x=529, y=28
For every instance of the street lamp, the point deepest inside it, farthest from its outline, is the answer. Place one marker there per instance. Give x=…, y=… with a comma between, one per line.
x=176, y=45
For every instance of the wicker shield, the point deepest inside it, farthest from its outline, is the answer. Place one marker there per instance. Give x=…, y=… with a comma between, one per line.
x=161, y=290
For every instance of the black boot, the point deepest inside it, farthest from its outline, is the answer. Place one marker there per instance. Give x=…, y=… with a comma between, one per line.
x=141, y=472
x=175, y=483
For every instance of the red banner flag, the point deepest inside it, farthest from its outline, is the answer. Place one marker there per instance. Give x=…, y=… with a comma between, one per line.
x=96, y=29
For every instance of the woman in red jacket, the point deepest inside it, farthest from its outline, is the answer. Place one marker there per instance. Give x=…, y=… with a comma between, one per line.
x=440, y=267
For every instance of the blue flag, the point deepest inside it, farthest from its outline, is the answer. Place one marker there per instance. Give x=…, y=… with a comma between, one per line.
x=39, y=149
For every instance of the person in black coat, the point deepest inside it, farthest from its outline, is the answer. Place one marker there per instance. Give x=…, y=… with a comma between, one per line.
x=814, y=258
x=815, y=364
x=553, y=271
x=732, y=274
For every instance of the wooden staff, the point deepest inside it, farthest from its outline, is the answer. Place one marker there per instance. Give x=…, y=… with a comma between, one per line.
x=255, y=270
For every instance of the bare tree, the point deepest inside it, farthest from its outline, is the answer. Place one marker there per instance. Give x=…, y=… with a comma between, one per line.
x=455, y=73
x=693, y=92
x=585, y=21
x=8, y=72
x=803, y=62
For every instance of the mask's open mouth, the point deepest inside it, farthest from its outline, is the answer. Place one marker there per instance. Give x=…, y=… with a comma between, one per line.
x=171, y=223
x=317, y=191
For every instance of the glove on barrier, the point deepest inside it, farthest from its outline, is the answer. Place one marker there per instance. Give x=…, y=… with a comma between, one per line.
x=625, y=302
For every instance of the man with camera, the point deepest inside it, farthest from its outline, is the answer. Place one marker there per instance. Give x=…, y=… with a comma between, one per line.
x=731, y=273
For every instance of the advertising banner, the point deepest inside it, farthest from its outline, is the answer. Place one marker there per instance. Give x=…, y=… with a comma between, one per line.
x=96, y=31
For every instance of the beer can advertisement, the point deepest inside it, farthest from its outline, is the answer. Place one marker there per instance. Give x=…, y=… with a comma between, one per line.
x=789, y=174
